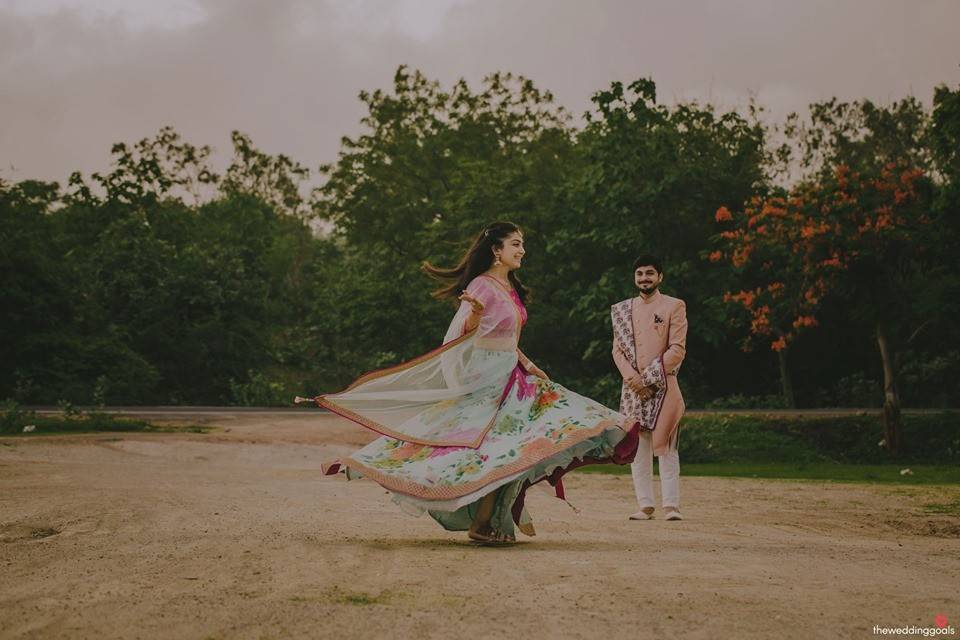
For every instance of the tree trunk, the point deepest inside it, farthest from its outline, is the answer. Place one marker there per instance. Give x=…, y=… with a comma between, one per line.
x=891, y=398
x=786, y=384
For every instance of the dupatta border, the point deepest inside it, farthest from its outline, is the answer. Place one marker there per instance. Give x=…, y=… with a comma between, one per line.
x=322, y=401
x=447, y=492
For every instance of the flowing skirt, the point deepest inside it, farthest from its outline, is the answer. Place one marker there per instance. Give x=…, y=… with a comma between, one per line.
x=541, y=431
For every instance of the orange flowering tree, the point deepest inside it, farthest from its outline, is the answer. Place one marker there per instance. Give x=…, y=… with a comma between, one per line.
x=757, y=242
x=855, y=234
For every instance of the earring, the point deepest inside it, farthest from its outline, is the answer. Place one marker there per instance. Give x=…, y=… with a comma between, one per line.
x=497, y=262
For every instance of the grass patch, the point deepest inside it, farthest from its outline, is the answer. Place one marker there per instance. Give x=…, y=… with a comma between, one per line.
x=929, y=439
x=189, y=428
x=838, y=449
x=48, y=425
x=943, y=508
x=829, y=472
x=15, y=421
x=361, y=599
x=355, y=598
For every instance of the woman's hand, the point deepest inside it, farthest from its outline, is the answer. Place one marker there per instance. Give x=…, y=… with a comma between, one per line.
x=537, y=371
x=473, y=302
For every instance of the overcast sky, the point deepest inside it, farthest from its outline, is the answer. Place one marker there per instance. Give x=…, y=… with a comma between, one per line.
x=78, y=75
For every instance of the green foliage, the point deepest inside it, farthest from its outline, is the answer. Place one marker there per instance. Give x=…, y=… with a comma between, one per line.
x=922, y=474
x=125, y=294
x=14, y=420
x=932, y=438
x=161, y=280
x=13, y=417
x=259, y=391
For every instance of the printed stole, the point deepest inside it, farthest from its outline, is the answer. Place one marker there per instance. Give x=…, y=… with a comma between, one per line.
x=646, y=412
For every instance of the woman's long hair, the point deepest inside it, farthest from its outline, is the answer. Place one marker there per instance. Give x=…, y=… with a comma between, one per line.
x=477, y=260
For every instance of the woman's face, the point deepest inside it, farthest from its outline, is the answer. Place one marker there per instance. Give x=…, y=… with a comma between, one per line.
x=511, y=253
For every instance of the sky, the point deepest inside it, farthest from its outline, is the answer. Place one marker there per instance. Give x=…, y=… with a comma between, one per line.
x=77, y=76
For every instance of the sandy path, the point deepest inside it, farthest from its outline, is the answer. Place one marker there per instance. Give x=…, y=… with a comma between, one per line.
x=234, y=534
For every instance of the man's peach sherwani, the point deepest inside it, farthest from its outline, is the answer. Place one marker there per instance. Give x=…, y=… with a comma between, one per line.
x=650, y=341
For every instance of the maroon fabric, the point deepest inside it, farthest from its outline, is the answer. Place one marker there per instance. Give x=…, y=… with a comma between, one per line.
x=623, y=453
x=331, y=469
x=558, y=489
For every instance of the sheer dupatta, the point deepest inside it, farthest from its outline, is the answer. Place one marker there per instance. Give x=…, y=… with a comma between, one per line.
x=450, y=396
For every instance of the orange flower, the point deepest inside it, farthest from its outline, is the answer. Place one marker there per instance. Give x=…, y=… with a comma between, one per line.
x=745, y=298
x=884, y=217
x=723, y=215
x=716, y=256
x=909, y=176
x=770, y=209
x=804, y=321
x=779, y=344
x=547, y=398
x=831, y=262
x=761, y=321
x=842, y=172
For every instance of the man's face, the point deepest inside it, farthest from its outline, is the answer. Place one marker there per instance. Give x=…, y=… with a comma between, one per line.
x=647, y=279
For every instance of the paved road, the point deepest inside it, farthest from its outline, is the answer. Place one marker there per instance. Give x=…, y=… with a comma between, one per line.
x=186, y=412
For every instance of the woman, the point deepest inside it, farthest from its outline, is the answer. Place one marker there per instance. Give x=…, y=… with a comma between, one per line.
x=470, y=426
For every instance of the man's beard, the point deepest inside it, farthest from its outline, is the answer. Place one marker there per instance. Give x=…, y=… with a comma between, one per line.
x=647, y=289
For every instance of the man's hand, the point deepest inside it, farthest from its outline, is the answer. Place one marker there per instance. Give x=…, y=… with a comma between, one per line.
x=643, y=392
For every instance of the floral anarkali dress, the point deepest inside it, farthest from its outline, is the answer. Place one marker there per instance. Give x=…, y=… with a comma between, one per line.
x=466, y=419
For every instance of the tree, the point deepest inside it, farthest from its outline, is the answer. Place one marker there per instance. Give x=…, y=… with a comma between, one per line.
x=150, y=282
x=274, y=180
x=783, y=292
x=646, y=177
x=856, y=235
x=431, y=168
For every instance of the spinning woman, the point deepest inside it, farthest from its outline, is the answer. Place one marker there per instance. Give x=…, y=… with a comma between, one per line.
x=468, y=427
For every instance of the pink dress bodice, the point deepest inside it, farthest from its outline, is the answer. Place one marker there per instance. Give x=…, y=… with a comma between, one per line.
x=522, y=309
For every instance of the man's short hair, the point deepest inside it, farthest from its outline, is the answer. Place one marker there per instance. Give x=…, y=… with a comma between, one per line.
x=648, y=259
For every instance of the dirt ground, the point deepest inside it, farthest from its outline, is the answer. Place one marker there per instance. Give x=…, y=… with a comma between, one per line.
x=235, y=534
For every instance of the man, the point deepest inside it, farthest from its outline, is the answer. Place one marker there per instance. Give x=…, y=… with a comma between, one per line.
x=650, y=337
